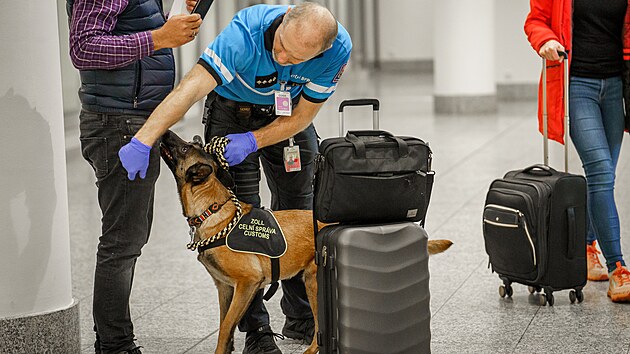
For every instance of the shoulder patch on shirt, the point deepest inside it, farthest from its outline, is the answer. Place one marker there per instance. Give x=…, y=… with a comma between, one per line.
x=266, y=81
x=339, y=73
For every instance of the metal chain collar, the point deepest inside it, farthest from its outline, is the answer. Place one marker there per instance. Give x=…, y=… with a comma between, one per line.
x=216, y=147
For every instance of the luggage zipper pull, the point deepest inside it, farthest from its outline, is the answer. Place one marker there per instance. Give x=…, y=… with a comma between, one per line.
x=319, y=160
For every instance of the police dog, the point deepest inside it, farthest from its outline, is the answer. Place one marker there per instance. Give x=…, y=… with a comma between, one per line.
x=201, y=181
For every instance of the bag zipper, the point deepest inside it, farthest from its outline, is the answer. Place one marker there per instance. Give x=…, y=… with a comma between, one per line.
x=542, y=222
x=138, y=82
x=527, y=197
x=522, y=219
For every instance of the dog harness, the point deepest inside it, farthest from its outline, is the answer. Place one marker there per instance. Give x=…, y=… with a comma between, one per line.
x=256, y=226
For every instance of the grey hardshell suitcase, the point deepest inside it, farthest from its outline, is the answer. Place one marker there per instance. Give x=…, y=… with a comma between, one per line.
x=373, y=289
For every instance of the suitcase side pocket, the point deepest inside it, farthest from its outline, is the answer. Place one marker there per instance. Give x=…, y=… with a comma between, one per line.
x=509, y=241
x=382, y=197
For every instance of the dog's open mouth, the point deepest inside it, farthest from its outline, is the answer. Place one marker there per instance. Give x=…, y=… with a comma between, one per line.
x=166, y=153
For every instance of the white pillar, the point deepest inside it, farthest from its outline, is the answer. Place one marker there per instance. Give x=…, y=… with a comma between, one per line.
x=37, y=311
x=464, y=64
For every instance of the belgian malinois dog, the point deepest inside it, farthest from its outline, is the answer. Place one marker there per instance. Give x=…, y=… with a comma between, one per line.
x=201, y=182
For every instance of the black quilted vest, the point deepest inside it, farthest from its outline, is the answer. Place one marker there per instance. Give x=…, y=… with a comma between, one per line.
x=140, y=86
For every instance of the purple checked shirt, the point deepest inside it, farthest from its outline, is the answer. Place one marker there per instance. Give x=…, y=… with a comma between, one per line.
x=92, y=45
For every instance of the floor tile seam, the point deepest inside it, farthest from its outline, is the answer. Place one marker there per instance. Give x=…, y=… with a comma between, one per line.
x=458, y=288
x=163, y=303
x=525, y=330
x=479, y=149
x=201, y=341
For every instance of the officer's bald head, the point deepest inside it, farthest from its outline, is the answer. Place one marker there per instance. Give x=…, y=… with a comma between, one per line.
x=314, y=24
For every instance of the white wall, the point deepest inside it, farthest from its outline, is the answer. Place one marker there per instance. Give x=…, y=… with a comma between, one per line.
x=406, y=30
x=35, y=247
x=516, y=61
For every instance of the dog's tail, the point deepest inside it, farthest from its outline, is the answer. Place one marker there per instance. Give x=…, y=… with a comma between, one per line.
x=438, y=246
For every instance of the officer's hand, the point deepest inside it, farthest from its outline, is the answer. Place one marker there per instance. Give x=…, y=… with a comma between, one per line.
x=550, y=50
x=239, y=147
x=190, y=5
x=177, y=31
x=135, y=158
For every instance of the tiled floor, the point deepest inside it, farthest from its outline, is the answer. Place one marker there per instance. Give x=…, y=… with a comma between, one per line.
x=174, y=303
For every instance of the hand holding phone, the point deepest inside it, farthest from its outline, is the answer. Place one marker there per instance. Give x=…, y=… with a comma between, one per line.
x=202, y=7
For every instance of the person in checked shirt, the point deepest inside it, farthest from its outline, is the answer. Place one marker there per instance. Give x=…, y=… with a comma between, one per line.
x=122, y=49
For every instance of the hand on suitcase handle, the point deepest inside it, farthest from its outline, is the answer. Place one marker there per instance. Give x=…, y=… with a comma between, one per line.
x=552, y=50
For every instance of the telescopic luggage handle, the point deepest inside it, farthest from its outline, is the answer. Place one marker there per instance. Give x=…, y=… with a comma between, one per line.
x=360, y=102
x=566, y=111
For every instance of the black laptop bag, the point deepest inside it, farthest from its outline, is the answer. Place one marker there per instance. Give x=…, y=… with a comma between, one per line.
x=372, y=175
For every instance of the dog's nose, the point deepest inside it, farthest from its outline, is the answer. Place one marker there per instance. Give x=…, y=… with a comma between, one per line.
x=197, y=139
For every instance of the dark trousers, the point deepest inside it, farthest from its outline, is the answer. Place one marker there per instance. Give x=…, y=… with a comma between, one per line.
x=289, y=190
x=127, y=208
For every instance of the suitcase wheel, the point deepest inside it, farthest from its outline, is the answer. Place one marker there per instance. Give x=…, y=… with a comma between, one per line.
x=576, y=295
x=547, y=299
x=506, y=290
x=534, y=289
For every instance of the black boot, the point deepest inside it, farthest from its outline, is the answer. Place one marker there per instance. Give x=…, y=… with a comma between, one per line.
x=262, y=341
x=300, y=329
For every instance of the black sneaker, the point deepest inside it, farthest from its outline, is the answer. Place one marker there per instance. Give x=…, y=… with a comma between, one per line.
x=262, y=341
x=300, y=329
x=135, y=350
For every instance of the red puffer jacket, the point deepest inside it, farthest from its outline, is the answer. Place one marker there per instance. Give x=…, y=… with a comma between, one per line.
x=552, y=19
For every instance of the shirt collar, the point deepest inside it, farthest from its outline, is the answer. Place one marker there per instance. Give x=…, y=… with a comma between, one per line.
x=270, y=33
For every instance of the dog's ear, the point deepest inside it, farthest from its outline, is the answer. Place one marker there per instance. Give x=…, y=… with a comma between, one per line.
x=225, y=178
x=198, y=173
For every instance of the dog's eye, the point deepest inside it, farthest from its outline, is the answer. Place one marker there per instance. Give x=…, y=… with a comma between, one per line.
x=184, y=149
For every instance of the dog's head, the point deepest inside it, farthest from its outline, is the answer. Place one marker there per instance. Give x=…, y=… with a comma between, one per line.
x=190, y=164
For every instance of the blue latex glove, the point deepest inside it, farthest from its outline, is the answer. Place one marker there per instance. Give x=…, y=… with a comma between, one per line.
x=135, y=158
x=239, y=147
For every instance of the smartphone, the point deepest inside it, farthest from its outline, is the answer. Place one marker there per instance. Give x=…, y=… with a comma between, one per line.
x=202, y=7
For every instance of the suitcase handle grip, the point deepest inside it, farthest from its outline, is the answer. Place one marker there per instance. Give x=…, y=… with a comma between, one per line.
x=359, y=145
x=572, y=233
x=544, y=168
x=361, y=102
x=369, y=133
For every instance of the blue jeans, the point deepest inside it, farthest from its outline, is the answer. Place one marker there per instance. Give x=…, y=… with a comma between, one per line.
x=597, y=125
x=127, y=208
x=289, y=190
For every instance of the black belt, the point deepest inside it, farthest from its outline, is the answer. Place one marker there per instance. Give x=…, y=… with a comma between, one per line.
x=246, y=106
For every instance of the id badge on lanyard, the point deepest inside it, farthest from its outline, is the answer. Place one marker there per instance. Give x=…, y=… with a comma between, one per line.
x=282, y=98
x=292, y=161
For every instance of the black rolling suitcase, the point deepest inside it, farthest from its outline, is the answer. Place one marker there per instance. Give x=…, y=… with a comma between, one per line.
x=534, y=225
x=373, y=277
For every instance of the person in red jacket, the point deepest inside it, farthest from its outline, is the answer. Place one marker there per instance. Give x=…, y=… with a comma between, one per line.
x=596, y=35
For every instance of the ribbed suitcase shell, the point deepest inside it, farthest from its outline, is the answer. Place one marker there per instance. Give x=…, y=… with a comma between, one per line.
x=373, y=295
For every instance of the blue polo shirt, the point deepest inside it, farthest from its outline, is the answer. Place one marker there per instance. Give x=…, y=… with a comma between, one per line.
x=241, y=62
